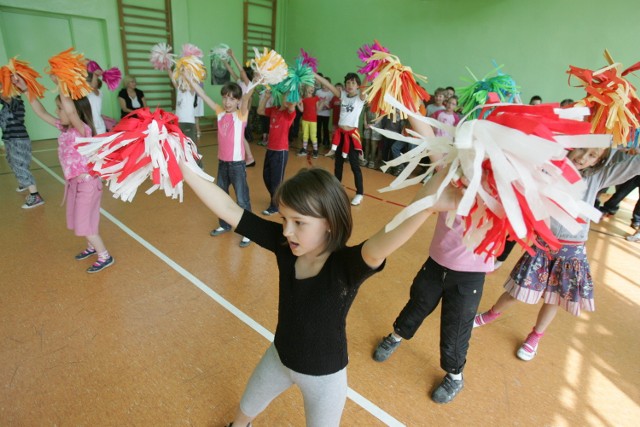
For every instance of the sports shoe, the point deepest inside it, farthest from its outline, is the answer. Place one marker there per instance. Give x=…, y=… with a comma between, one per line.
x=386, y=348
x=634, y=237
x=529, y=347
x=302, y=152
x=315, y=154
x=371, y=165
x=447, y=390
x=269, y=212
x=21, y=189
x=32, y=201
x=101, y=265
x=331, y=154
x=484, y=318
x=245, y=242
x=356, y=200
x=497, y=265
x=218, y=231
x=635, y=225
x=85, y=254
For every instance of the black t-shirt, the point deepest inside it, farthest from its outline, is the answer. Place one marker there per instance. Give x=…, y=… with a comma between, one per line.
x=311, y=333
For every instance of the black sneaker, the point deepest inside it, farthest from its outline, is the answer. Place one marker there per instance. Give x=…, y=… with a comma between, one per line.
x=385, y=349
x=447, y=390
x=32, y=201
x=315, y=154
x=302, y=152
x=101, y=265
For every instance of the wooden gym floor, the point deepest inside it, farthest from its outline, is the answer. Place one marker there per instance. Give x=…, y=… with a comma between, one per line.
x=170, y=334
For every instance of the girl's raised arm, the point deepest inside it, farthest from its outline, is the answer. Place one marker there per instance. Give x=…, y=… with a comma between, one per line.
x=36, y=105
x=213, y=197
x=201, y=93
x=70, y=110
x=383, y=243
x=334, y=90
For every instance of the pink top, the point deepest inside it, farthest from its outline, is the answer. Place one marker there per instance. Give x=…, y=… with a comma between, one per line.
x=448, y=250
x=230, y=136
x=447, y=118
x=73, y=163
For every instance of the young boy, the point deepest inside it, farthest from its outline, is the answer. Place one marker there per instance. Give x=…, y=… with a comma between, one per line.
x=275, y=161
x=438, y=102
x=346, y=140
x=232, y=168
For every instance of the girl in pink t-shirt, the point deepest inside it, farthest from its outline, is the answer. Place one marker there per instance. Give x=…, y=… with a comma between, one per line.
x=82, y=191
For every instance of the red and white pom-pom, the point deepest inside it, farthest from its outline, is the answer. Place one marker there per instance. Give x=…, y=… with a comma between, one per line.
x=143, y=145
x=161, y=57
x=517, y=173
x=189, y=49
x=269, y=66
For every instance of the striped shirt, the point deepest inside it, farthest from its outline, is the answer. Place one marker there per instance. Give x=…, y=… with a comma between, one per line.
x=12, y=119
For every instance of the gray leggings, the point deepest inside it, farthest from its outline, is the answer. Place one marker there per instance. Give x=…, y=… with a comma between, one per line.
x=324, y=396
x=19, y=159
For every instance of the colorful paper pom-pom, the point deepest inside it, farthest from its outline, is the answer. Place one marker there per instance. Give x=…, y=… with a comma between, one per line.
x=372, y=66
x=478, y=92
x=161, y=57
x=24, y=71
x=189, y=49
x=309, y=60
x=614, y=104
x=220, y=52
x=398, y=81
x=298, y=76
x=518, y=177
x=71, y=71
x=269, y=67
x=142, y=145
x=110, y=77
x=188, y=70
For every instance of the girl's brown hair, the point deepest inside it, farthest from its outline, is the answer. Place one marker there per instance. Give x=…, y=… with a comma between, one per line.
x=317, y=193
x=83, y=108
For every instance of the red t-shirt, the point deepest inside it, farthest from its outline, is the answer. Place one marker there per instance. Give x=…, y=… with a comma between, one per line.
x=310, y=113
x=279, y=123
x=335, y=106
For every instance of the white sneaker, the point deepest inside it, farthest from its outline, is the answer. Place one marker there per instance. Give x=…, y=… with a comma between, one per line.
x=357, y=200
x=634, y=237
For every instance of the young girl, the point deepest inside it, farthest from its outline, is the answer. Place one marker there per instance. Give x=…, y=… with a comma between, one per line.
x=319, y=278
x=309, y=106
x=18, y=148
x=83, y=191
x=562, y=277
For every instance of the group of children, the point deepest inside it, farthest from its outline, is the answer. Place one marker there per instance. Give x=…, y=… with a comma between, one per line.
x=319, y=274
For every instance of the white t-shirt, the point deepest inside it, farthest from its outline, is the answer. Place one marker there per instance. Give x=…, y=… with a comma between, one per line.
x=326, y=96
x=185, y=110
x=96, y=111
x=350, y=109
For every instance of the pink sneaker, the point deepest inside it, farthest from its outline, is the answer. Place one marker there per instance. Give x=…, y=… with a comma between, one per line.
x=529, y=347
x=484, y=318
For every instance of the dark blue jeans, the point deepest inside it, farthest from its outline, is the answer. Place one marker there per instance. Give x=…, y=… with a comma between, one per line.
x=460, y=293
x=275, y=163
x=235, y=174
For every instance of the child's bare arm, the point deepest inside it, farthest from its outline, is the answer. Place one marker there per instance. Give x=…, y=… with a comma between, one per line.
x=213, y=197
x=244, y=103
x=243, y=74
x=263, y=103
x=383, y=243
x=36, y=105
x=334, y=90
x=202, y=94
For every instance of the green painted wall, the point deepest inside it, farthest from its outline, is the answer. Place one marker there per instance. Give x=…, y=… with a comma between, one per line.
x=536, y=40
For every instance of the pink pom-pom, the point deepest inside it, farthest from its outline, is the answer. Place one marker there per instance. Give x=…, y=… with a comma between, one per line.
x=189, y=49
x=371, y=66
x=93, y=66
x=112, y=78
x=309, y=60
x=161, y=56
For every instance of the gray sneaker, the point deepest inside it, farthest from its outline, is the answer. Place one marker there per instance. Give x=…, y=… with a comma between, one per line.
x=447, y=390
x=385, y=349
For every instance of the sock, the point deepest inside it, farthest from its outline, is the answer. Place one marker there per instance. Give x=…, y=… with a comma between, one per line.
x=396, y=337
x=103, y=256
x=456, y=377
x=305, y=144
x=90, y=246
x=34, y=194
x=315, y=146
x=533, y=338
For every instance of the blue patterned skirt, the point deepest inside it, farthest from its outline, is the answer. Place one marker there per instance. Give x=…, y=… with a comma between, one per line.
x=561, y=277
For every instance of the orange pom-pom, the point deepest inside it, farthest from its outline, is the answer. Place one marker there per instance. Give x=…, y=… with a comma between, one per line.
x=29, y=75
x=71, y=71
